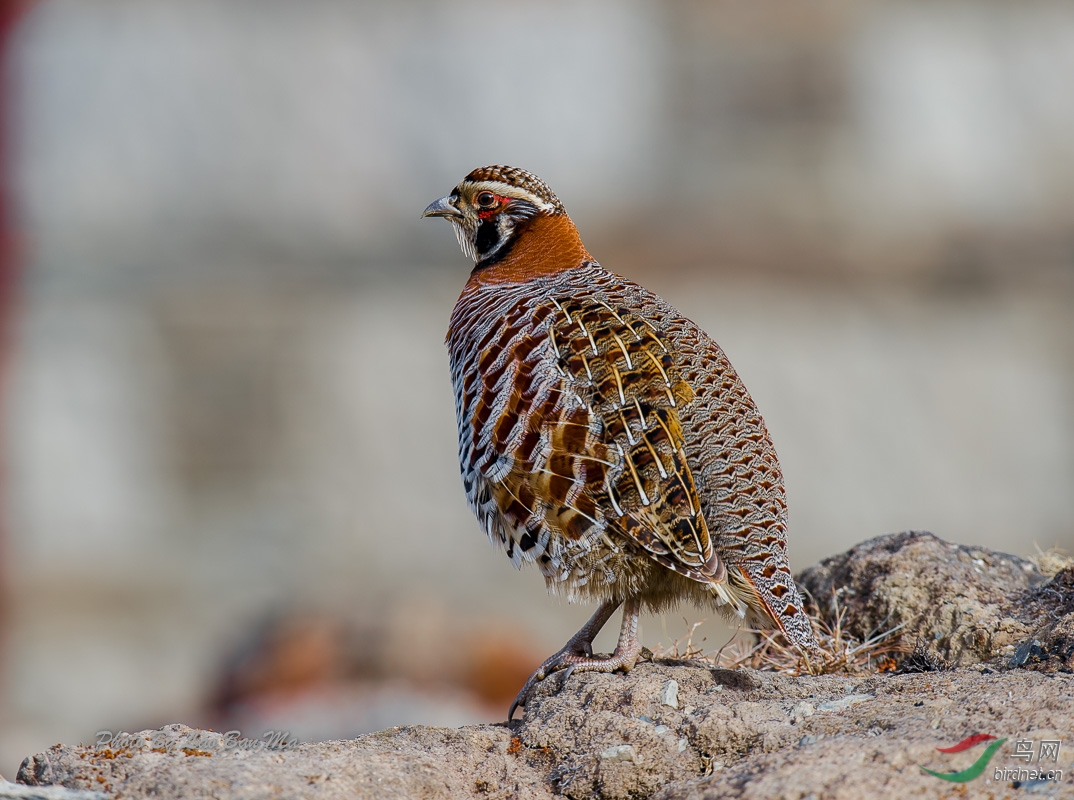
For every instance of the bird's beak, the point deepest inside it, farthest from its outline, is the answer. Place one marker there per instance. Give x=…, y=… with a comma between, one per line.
x=442, y=208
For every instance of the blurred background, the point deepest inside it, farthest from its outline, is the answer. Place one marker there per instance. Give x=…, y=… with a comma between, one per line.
x=230, y=493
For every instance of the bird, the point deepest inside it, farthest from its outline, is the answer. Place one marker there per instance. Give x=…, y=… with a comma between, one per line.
x=603, y=436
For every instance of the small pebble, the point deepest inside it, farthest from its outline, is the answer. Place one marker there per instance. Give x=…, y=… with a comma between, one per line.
x=802, y=710
x=844, y=702
x=1038, y=786
x=669, y=695
x=689, y=710
x=622, y=752
x=661, y=729
x=682, y=744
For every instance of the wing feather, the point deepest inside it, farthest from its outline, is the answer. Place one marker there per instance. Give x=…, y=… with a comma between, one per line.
x=587, y=442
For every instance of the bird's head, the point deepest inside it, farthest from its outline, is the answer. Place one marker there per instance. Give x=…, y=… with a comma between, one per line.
x=490, y=208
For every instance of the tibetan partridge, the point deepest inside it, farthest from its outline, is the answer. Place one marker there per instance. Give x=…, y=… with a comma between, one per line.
x=604, y=436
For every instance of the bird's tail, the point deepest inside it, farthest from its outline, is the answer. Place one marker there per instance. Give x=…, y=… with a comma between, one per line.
x=780, y=604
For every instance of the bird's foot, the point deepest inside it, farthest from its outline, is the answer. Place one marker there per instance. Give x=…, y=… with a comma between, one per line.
x=578, y=659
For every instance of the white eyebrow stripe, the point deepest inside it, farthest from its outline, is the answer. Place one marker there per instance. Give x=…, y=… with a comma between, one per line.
x=515, y=192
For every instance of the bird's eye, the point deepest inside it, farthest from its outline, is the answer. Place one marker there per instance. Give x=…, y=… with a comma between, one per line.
x=486, y=199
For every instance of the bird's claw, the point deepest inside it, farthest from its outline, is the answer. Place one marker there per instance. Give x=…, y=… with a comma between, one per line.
x=557, y=662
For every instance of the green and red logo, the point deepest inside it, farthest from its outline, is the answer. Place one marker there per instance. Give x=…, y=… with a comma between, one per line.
x=978, y=766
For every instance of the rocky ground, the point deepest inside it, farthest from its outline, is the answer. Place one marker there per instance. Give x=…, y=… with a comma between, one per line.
x=990, y=641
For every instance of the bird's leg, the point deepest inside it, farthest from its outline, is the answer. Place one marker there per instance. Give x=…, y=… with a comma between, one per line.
x=577, y=654
x=578, y=646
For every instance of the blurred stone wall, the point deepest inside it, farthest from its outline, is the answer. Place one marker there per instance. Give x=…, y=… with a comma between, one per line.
x=867, y=136
x=228, y=394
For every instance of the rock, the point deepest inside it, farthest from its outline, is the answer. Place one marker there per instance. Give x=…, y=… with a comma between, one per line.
x=14, y=791
x=614, y=736
x=844, y=702
x=622, y=752
x=669, y=695
x=962, y=605
x=802, y=710
x=587, y=740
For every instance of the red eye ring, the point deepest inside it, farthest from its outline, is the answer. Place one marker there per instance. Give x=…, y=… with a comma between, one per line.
x=486, y=199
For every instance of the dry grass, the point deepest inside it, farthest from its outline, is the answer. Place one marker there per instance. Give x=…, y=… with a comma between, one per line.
x=840, y=653
x=1051, y=561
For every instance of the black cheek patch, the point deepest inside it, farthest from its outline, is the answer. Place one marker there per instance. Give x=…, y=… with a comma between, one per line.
x=488, y=236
